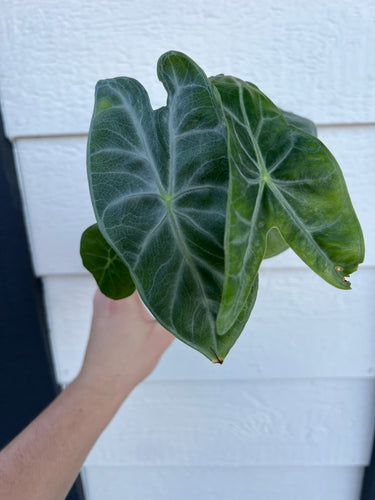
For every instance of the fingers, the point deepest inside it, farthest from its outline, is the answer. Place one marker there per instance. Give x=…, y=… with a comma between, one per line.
x=124, y=306
x=119, y=306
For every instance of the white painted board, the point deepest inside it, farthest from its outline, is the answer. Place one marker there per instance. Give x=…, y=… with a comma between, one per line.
x=300, y=327
x=58, y=207
x=314, y=58
x=223, y=483
x=242, y=423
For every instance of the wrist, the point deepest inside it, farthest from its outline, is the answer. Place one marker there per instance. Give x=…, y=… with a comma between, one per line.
x=106, y=388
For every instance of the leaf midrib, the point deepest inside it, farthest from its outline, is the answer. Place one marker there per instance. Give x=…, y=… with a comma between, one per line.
x=185, y=252
x=262, y=170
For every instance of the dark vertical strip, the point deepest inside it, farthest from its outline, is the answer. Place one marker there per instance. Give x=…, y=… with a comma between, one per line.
x=27, y=383
x=368, y=485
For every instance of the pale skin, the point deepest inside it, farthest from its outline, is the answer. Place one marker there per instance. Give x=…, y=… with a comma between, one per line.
x=125, y=345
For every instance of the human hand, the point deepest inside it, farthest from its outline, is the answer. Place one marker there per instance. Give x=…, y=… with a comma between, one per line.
x=124, y=347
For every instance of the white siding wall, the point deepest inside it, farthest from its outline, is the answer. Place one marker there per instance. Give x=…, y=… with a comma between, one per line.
x=290, y=414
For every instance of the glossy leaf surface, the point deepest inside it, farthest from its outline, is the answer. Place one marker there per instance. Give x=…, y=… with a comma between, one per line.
x=159, y=183
x=280, y=176
x=110, y=272
x=275, y=242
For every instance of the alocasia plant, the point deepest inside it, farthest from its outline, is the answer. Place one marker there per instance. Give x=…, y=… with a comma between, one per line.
x=190, y=198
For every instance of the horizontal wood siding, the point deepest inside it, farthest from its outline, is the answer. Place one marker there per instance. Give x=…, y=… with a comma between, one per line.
x=314, y=58
x=53, y=173
x=300, y=327
x=225, y=483
x=298, y=422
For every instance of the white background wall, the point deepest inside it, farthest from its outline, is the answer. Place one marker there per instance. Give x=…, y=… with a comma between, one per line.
x=291, y=412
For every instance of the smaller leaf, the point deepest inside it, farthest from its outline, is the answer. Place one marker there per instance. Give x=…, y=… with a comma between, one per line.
x=110, y=272
x=280, y=176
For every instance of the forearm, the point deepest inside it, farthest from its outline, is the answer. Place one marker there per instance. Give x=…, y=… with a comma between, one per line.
x=124, y=347
x=44, y=460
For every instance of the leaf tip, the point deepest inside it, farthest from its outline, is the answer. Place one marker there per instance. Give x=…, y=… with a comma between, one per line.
x=342, y=276
x=217, y=359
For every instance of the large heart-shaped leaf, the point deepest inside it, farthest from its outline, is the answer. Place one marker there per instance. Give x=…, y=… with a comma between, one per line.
x=280, y=176
x=159, y=182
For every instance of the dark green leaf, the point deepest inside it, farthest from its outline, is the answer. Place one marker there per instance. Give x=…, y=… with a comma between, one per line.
x=284, y=177
x=109, y=271
x=159, y=182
